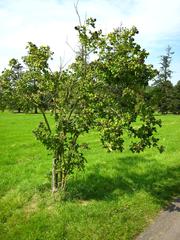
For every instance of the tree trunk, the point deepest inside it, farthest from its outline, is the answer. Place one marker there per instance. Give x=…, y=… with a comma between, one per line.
x=35, y=110
x=63, y=181
x=54, y=176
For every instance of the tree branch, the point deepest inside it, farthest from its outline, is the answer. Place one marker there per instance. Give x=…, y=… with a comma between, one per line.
x=76, y=9
x=45, y=119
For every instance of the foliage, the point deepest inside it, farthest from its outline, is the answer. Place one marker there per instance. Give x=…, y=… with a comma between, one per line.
x=9, y=92
x=176, y=98
x=36, y=83
x=122, y=68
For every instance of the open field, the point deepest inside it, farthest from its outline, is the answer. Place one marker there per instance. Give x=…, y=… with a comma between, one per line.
x=116, y=196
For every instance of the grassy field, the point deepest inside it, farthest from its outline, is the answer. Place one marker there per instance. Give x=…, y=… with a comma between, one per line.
x=116, y=196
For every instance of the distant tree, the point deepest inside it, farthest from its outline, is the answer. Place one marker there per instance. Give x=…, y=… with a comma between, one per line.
x=163, y=91
x=165, y=97
x=102, y=89
x=176, y=98
x=9, y=79
x=149, y=96
x=165, y=72
x=36, y=73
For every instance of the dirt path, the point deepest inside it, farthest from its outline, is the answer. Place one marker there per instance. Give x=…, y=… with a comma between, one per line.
x=166, y=225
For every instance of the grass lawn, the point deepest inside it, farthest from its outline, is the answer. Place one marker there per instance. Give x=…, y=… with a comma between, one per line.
x=116, y=196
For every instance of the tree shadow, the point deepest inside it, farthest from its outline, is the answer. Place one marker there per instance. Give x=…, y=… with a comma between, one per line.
x=160, y=181
x=96, y=186
x=174, y=206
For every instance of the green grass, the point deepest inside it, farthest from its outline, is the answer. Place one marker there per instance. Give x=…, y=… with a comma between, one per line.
x=116, y=196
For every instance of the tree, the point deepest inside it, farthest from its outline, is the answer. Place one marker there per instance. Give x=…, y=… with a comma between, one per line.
x=103, y=89
x=35, y=77
x=165, y=71
x=165, y=101
x=163, y=91
x=9, y=78
x=176, y=98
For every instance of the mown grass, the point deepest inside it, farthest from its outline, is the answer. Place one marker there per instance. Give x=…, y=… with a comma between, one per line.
x=116, y=196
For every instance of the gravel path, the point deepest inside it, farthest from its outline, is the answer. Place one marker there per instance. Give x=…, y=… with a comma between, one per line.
x=166, y=225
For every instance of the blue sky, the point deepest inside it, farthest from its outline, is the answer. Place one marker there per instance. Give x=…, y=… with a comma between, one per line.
x=51, y=22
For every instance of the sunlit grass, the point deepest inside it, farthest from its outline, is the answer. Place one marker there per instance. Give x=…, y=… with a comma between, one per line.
x=116, y=196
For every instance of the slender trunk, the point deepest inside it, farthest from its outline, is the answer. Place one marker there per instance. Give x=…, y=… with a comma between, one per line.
x=54, y=176
x=62, y=173
x=19, y=110
x=46, y=120
x=35, y=110
x=62, y=181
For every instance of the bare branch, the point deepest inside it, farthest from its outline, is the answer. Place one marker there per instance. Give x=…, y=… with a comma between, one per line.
x=71, y=47
x=45, y=119
x=77, y=12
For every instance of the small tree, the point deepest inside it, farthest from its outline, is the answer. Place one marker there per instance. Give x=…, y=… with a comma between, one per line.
x=102, y=89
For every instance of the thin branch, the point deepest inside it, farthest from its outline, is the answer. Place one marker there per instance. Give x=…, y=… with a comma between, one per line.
x=77, y=12
x=45, y=119
x=61, y=66
x=73, y=108
x=74, y=51
x=75, y=137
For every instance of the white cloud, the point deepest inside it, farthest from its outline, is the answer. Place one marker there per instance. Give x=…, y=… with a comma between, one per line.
x=157, y=18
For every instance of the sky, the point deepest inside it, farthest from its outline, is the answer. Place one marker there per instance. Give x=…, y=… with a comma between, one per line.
x=52, y=22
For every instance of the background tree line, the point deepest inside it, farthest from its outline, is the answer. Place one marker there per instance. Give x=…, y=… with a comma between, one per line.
x=164, y=96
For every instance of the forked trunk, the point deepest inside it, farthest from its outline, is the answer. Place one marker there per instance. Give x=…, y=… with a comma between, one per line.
x=59, y=175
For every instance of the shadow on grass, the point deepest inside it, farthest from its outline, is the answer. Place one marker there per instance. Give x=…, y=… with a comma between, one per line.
x=160, y=181
x=174, y=206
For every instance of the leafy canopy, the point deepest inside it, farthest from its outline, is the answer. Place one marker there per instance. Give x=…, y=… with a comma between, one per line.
x=102, y=89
